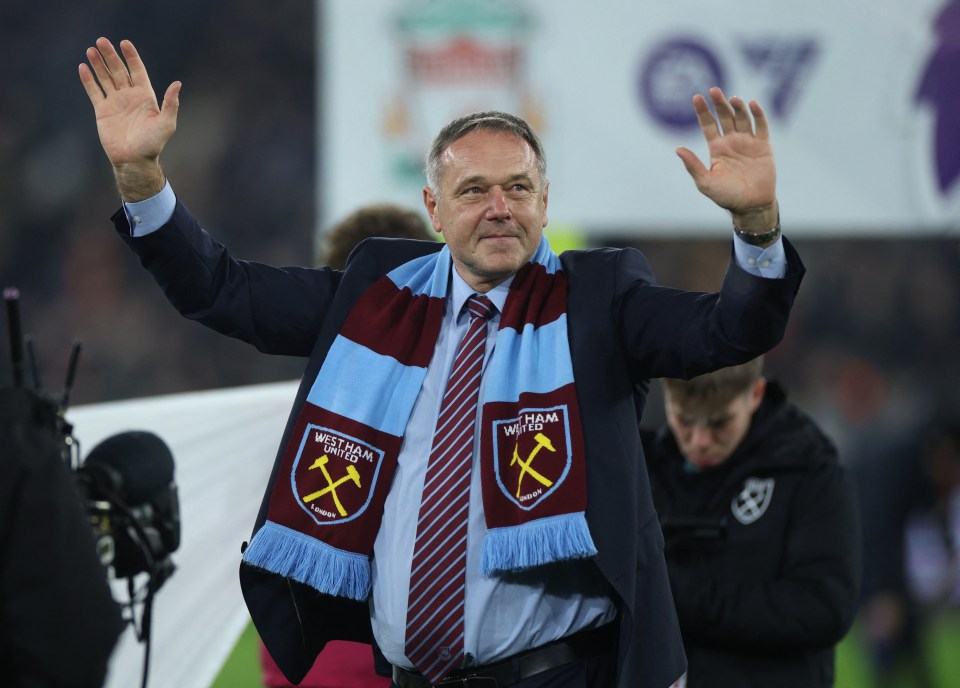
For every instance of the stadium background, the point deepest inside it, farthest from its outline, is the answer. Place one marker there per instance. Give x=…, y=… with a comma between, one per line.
x=872, y=348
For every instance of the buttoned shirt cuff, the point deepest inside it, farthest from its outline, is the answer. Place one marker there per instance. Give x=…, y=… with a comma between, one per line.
x=151, y=214
x=769, y=262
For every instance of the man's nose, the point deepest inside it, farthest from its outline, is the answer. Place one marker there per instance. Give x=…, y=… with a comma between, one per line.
x=700, y=436
x=497, y=208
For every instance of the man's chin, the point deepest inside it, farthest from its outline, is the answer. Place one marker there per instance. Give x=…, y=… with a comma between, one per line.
x=703, y=461
x=502, y=264
x=496, y=266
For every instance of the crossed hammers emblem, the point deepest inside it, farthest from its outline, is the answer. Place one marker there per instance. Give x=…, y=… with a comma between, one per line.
x=542, y=442
x=352, y=475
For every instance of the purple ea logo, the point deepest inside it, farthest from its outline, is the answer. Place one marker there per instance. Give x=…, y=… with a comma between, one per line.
x=670, y=76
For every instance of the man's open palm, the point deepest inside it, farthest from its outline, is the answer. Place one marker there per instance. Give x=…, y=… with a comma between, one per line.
x=742, y=174
x=132, y=127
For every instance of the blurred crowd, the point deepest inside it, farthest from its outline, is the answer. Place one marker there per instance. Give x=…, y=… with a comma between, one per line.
x=873, y=336
x=243, y=159
x=872, y=349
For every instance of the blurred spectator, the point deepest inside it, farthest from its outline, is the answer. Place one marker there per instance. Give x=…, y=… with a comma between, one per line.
x=341, y=664
x=377, y=220
x=760, y=527
x=910, y=488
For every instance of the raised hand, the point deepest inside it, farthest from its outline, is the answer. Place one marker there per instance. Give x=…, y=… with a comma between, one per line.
x=133, y=128
x=742, y=177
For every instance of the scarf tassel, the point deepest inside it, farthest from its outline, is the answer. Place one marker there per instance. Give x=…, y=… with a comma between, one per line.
x=539, y=542
x=290, y=553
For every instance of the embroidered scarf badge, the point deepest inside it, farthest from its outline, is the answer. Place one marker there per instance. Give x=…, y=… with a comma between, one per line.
x=327, y=501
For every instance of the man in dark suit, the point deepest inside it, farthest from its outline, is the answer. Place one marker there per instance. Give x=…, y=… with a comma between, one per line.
x=543, y=577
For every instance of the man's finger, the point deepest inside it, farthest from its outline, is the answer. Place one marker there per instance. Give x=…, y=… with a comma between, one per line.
x=171, y=105
x=118, y=70
x=760, y=121
x=94, y=92
x=741, y=115
x=695, y=168
x=708, y=125
x=101, y=70
x=724, y=111
x=138, y=72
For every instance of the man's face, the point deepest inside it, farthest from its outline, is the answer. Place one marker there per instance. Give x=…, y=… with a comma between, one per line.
x=708, y=439
x=492, y=206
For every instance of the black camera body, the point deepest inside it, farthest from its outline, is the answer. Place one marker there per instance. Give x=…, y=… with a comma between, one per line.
x=66, y=523
x=59, y=621
x=125, y=483
x=131, y=499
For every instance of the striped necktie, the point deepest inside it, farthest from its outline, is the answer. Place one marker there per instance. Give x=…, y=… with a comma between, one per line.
x=434, y=635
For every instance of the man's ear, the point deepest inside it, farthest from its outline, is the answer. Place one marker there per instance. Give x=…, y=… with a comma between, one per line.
x=756, y=394
x=546, y=192
x=430, y=203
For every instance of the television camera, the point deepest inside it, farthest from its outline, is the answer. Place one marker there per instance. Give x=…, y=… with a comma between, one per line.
x=125, y=484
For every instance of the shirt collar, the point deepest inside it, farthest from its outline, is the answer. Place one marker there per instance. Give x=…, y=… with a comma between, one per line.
x=461, y=291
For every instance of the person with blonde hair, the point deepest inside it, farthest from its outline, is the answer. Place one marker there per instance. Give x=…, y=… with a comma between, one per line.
x=761, y=529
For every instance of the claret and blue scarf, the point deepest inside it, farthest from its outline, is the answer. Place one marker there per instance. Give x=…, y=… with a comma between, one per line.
x=327, y=501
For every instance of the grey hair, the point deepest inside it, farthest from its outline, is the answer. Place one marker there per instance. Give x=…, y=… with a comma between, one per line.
x=491, y=120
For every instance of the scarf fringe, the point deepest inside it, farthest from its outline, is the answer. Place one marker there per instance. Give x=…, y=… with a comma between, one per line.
x=539, y=542
x=327, y=569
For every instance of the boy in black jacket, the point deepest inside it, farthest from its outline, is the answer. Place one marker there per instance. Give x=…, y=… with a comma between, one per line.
x=762, y=538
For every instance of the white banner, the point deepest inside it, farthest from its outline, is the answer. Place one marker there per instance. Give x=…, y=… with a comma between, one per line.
x=223, y=442
x=862, y=97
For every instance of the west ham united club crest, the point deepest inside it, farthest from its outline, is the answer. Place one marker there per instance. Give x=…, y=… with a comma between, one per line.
x=334, y=475
x=753, y=500
x=532, y=454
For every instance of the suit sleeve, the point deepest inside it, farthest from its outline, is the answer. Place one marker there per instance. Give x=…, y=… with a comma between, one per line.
x=278, y=310
x=675, y=333
x=812, y=602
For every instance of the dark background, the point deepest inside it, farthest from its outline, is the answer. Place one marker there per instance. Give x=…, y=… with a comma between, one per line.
x=242, y=159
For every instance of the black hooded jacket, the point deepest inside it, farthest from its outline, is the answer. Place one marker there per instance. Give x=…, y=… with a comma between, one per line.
x=763, y=552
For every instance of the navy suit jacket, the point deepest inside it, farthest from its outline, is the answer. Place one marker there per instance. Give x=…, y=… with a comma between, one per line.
x=623, y=330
